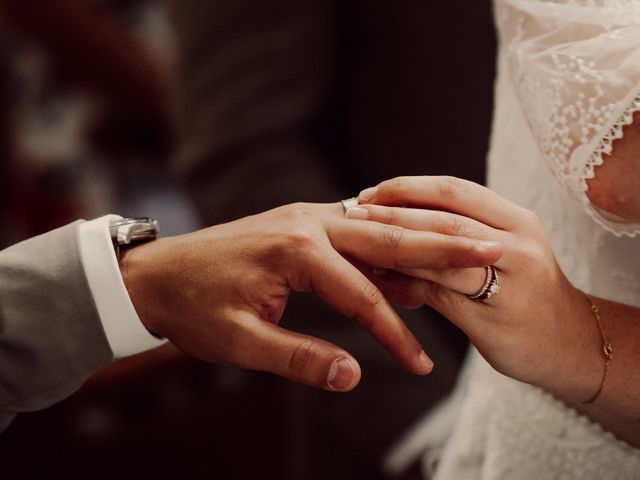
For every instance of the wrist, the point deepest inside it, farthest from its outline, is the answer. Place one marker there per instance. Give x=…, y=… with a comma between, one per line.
x=123, y=329
x=139, y=274
x=606, y=352
x=585, y=366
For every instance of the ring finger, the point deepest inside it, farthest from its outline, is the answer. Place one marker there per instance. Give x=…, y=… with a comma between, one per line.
x=468, y=281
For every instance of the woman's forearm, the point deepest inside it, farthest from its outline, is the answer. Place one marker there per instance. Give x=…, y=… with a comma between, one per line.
x=617, y=407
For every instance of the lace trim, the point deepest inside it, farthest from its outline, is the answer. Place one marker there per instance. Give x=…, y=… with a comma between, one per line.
x=575, y=102
x=624, y=13
x=605, y=147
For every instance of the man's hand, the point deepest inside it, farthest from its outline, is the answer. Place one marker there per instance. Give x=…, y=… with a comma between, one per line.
x=219, y=293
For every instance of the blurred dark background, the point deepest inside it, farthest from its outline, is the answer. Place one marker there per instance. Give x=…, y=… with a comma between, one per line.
x=199, y=111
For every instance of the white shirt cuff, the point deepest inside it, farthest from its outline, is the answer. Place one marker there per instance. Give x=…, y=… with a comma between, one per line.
x=125, y=332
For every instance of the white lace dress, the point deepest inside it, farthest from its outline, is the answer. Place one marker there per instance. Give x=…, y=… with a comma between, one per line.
x=569, y=79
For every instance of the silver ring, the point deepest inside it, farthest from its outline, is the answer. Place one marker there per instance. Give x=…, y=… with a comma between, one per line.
x=349, y=203
x=490, y=288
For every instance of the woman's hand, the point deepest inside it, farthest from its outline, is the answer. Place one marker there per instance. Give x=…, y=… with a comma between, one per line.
x=219, y=293
x=539, y=329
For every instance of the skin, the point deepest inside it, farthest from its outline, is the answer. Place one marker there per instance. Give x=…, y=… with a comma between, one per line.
x=540, y=328
x=218, y=294
x=614, y=188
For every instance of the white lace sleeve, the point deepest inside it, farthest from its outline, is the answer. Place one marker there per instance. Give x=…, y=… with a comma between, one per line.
x=575, y=65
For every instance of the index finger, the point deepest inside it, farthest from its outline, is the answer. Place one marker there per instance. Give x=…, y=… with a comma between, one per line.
x=447, y=193
x=346, y=289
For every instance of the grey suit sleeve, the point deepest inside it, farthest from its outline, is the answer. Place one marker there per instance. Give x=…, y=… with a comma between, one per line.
x=51, y=337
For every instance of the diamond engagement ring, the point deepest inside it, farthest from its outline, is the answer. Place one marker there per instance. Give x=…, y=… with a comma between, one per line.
x=490, y=288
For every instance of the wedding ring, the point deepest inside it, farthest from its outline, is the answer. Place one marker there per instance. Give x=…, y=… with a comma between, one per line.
x=349, y=203
x=490, y=288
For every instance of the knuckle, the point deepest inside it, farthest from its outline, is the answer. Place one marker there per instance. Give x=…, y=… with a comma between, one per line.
x=396, y=183
x=450, y=187
x=388, y=216
x=391, y=236
x=296, y=228
x=393, y=188
x=301, y=358
x=452, y=225
x=298, y=212
x=370, y=294
x=299, y=238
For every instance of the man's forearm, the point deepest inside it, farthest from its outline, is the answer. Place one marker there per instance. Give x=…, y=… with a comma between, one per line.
x=51, y=337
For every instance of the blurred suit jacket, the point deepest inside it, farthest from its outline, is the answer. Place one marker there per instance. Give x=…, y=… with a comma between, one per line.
x=51, y=337
x=287, y=100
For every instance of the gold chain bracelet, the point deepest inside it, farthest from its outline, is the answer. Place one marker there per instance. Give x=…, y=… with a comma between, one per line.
x=607, y=350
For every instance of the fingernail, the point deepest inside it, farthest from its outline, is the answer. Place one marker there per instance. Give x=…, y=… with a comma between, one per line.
x=342, y=374
x=357, y=213
x=367, y=194
x=487, y=246
x=425, y=362
x=380, y=271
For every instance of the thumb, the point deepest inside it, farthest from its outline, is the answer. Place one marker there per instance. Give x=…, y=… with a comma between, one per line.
x=301, y=358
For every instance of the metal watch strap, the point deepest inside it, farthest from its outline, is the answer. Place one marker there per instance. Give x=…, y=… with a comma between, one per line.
x=127, y=231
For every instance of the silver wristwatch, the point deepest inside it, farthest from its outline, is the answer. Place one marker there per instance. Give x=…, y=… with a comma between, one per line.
x=128, y=231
